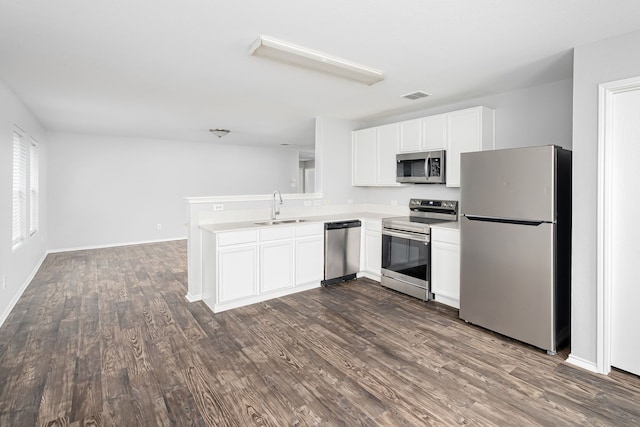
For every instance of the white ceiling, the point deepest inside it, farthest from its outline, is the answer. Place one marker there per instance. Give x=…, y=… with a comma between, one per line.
x=173, y=69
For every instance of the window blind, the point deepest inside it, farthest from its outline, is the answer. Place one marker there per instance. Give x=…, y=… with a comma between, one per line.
x=19, y=188
x=34, y=186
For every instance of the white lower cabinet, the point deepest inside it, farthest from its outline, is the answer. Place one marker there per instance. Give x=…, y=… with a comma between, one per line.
x=276, y=266
x=309, y=267
x=445, y=265
x=259, y=264
x=237, y=272
x=371, y=249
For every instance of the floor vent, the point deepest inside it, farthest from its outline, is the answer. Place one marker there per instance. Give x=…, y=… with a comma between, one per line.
x=416, y=95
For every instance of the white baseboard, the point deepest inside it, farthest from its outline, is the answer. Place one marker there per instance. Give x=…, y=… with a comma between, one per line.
x=113, y=245
x=18, y=294
x=451, y=302
x=369, y=275
x=241, y=302
x=582, y=363
x=193, y=298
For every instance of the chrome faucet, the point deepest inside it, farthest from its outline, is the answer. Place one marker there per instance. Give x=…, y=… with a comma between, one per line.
x=275, y=209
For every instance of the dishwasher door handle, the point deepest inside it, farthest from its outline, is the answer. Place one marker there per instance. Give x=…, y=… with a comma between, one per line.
x=341, y=224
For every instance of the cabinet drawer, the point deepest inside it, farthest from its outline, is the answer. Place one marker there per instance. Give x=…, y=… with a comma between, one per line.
x=275, y=233
x=446, y=235
x=309, y=230
x=236, y=237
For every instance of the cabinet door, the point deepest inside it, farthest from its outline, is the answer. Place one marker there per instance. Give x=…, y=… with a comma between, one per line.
x=276, y=265
x=388, y=142
x=434, y=132
x=445, y=272
x=309, y=260
x=464, y=135
x=372, y=252
x=410, y=136
x=364, y=156
x=237, y=275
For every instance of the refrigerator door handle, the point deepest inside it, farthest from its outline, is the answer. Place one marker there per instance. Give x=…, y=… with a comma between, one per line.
x=503, y=220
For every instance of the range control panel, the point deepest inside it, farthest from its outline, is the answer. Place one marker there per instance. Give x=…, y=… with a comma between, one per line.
x=425, y=204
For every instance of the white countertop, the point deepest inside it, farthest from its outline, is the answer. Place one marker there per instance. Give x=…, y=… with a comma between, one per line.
x=243, y=225
x=454, y=225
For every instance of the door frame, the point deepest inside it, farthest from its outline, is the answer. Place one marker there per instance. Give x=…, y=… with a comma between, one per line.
x=606, y=93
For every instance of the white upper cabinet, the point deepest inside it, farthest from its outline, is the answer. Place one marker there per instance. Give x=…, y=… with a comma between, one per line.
x=374, y=149
x=467, y=130
x=364, y=156
x=374, y=155
x=434, y=129
x=425, y=134
x=410, y=136
x=388, y=140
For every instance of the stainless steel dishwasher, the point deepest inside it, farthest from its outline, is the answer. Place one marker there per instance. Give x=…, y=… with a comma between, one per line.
x=341, y=251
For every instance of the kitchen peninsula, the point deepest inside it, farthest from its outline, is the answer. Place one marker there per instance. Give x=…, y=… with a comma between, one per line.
x=233, y=263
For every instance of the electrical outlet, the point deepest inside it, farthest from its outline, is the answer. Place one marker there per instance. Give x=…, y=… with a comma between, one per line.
x=317, y=202
x=218, y=207
x=158, y=226
x=350, y=201
x=4, y=282
x=394, y=203
x=307, y=202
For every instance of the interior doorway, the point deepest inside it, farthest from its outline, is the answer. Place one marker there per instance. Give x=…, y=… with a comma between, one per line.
x=618, y=229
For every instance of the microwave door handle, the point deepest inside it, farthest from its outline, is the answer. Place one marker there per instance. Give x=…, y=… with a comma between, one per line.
x=427, y=166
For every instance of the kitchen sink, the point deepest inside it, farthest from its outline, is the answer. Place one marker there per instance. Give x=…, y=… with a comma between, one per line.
x=280, y=221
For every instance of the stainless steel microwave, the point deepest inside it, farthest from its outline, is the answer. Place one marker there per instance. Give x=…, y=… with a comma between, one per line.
x=427, y=167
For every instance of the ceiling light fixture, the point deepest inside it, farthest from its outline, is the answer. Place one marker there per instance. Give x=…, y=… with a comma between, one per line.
x=219, y=132
x=275, y=49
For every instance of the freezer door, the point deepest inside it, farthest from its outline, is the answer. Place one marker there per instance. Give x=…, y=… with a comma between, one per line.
x=507, y=279
x=515, y=183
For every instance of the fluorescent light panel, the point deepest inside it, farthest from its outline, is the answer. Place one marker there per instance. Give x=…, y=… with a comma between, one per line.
x=282, y=51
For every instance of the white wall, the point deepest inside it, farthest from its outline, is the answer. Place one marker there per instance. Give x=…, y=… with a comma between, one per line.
x=333, y=162
x=18, y=264
x=112, y=190
x=604, y=61
x=539, y=115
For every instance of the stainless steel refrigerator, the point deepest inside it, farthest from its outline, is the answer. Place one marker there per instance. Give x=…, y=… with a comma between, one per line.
x=515, y=260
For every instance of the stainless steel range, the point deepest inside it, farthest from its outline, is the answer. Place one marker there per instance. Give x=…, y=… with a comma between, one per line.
x=406, y=246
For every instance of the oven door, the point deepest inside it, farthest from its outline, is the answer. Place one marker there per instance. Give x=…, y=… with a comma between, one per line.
x=406, y=259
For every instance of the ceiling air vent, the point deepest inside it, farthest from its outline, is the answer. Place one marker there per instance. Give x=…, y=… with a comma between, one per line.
x=416, y=95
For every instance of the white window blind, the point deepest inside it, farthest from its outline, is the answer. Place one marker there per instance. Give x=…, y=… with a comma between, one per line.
x=34, y=186
x=19, y=188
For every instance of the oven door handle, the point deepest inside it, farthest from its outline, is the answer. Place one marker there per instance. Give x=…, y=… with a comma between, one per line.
x=407, y=235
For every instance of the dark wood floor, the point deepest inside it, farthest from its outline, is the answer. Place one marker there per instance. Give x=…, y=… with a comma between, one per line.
x=105, y=337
